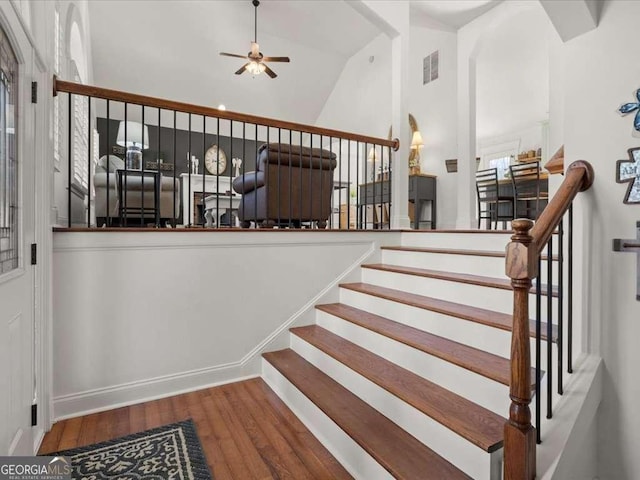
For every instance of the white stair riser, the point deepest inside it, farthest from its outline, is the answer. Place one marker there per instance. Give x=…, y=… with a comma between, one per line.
x=481, y=390
x=470, y=264
x=449, y=445
x=496, y=299
x=459, y=241
x=463, y=241
x=353, y=457
x=487, y=338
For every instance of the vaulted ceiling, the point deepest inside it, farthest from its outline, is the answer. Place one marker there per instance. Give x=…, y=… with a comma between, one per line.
x=170, y=49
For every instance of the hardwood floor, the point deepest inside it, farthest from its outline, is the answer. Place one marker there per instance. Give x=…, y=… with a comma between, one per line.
x=246, y=432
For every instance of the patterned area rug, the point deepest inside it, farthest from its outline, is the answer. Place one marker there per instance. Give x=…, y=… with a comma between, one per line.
x=169, y=452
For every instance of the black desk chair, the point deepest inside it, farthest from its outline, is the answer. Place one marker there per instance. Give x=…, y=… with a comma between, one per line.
x=530, y=195
x=496, y=207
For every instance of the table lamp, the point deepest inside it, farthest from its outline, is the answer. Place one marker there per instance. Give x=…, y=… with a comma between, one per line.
x=414, y=160
x=131, y=135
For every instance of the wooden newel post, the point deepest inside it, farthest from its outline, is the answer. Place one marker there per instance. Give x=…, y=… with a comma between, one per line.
x=519, y=434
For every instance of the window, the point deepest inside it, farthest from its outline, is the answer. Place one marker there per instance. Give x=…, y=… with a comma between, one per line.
x=57, y=67
x=501, y=164
x=8, y=157
x=80, y=138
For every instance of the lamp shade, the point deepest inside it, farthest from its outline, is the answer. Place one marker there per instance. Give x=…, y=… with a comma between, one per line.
x=416, y=140
x=372, y=157
x=134, y=135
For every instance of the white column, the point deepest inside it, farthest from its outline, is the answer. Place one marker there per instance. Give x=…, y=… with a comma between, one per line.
x=400, y=122
x=466, y=142
x=392, y=17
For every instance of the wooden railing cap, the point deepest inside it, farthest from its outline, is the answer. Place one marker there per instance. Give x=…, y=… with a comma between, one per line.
x=589, y=174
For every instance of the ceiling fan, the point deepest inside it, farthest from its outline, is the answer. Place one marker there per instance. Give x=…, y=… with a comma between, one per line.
x=256, y=64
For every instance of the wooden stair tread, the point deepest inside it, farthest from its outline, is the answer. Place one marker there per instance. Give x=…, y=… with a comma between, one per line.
x=466, y=312
x=478, y=361
x=402, y=455
x=502, y=283
x=478, y=425
x=454, y=251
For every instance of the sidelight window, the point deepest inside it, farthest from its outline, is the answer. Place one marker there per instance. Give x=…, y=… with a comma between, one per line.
x=8, y=157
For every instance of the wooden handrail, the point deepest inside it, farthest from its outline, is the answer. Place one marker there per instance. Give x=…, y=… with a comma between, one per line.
x=125, y=97
x=522, y=267
x=578, y=178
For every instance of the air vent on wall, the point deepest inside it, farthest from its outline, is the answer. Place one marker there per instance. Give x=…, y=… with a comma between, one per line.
x=430, y=68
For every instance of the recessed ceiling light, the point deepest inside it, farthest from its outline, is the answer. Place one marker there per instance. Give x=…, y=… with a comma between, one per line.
x=221, y=107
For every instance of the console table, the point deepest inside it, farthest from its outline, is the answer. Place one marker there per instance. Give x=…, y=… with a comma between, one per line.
x=194, y=194
x=422, y=188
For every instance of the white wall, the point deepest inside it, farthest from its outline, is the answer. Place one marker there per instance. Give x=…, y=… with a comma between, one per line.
x=601, y=73
x=434, y=107
x=142, y=315
x=361, y=102
x=512, y=75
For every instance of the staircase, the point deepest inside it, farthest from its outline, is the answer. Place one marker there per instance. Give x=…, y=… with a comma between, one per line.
x=408, y=375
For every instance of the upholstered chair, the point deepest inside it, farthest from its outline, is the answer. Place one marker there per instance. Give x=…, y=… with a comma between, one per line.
x=291, y=187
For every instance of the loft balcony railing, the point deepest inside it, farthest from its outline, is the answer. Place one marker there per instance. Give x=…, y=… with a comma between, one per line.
x=530, y=245
x=139, y=161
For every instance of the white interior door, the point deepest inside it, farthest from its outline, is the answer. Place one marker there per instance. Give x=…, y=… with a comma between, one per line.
x=17, y=222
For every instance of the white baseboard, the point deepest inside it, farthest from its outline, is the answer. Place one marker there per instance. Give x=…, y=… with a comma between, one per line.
x=101, y=399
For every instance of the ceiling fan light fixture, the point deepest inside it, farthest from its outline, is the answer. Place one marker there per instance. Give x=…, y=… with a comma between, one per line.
x=256, y=68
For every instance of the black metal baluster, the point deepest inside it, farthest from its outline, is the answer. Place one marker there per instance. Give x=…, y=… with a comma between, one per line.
x=321, y=187
x=269, y=180
x=358, y=199
x=255, y=181
x=175, y=166
x=549, y=327
x=310, y=214
x=290, y=184
x=279, y=175
x=366, y=190
x=230, y=166
x=189, y=199
x=570, y=295
x=218, y=216
x=538, y=347
x=301, y=188
x=244, y=158
x=390, y=185
x=124, y=190
x=559, y=301
x=107, y=210
x=339, y=166
x=331, y=202
x=204, y=168
x=159, y=172
x=89, y=162
x=142, y=187
x=70, y=161
x=349, y=182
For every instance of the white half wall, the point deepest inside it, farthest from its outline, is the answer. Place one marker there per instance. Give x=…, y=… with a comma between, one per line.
x=150, y=314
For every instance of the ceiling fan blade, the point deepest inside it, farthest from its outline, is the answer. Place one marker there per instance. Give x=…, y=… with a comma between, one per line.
x=225, y=54
x=269, y=72
x=276, y=59
x=242, y=69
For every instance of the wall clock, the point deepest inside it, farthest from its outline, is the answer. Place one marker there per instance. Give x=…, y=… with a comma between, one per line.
x=215, y=160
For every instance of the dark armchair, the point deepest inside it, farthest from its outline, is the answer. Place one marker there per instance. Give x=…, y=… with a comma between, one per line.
x=291, y=185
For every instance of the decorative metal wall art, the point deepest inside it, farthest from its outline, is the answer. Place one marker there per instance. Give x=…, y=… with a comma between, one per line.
x=628, y=171
x=627, y=108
